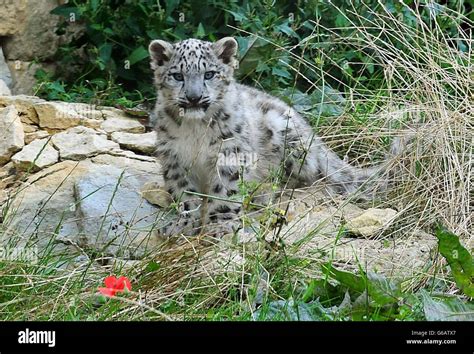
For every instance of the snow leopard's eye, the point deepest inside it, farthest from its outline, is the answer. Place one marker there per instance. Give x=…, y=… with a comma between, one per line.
x=178, y=76
x=209, y=75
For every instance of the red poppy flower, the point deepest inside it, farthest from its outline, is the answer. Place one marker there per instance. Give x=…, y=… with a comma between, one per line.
x=114, y=285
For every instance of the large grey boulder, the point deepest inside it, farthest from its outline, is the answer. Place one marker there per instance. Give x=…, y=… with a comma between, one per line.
x=83, y=205
x=113, y=216
x=30, y=28
x=43, y=210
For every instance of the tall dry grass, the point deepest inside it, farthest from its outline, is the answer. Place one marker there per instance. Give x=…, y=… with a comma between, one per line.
x=429, y=97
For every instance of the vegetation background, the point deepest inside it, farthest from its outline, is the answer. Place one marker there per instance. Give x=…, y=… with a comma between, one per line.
x=340, y=63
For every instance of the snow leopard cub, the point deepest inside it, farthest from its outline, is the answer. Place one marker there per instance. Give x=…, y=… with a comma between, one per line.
x=204, y=118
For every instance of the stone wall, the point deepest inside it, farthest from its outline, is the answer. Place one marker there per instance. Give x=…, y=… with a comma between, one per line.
x=76, y=171
x=27, y=42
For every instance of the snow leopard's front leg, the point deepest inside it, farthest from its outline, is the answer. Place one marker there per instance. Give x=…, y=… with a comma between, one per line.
x=179, y=184
x=224, y=208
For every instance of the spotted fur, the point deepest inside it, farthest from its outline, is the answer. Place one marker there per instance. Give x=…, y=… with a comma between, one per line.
x=202, y=114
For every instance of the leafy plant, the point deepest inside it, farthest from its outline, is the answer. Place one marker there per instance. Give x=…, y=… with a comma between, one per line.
x=459, y=259
x=282, y=44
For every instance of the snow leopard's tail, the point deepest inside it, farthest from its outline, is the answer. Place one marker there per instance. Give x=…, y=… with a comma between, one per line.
x=344, y=178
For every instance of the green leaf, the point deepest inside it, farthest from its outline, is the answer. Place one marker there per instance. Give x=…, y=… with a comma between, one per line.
x=324, y=101
x=152, y=266
x=109, y=31
x=96, y=26
x=284, y=28
x=341, y=20
x=171, y=5
x=459, y=259
x=446, y=309
x=94, y=5
x=281, y=72
x=238, y=16
x=323, y=290
x=200, y=33
x=57, y=87
x=380, y=289
x=137, y=55
x=105, y=52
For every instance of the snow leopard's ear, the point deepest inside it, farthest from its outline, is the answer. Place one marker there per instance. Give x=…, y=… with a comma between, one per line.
x=226, y=49
x=160, y=52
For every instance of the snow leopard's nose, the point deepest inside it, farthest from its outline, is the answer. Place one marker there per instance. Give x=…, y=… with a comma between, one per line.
x=193, y=98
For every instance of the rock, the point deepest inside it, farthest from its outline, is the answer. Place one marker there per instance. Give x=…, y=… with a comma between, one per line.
x=36, y=156
x=33, y=34
x=371, y=222
x=132, y=155
x=154, y=194
x=112, y=112
x=53, y=205
x=61, y=115
x=45, y=205
x=11, y=15
x=120, y=124
x=7, y=178
x=113, y=214
x=39, y=134
x=23, y=75
x=131, y=161
x=12, y=137
x=144, y=143
x=4, y=90
x=28, y=128
x=24, y=105
x=315, y=229
x=79, y=143
x=5, y=74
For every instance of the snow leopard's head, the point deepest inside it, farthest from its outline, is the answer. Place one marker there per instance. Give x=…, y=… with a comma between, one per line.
x=192, y=75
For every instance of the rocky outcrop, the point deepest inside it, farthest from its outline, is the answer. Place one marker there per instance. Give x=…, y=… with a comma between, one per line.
x=24, y=105
x=30, y=29
x=29, y=41
x=70, y=185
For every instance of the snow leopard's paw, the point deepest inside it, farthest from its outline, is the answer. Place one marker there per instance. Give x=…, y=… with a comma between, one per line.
x=183, y=225
x=222, y=228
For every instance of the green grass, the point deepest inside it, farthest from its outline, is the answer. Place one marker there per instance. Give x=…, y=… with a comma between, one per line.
x=193, y=289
